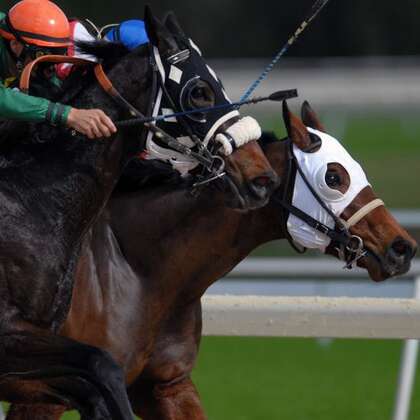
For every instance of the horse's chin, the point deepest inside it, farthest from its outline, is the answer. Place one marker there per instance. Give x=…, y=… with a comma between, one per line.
x=379, y=270
x=244, y=203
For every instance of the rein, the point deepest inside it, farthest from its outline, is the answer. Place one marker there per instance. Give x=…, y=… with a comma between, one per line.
x=279, y=96
x=350, y=247
x=109, y=88
x=25, y=77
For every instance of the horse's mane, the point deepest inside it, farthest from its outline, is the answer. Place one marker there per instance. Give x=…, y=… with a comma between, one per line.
x=108, y=53
x=105, y=51
x=269, y=137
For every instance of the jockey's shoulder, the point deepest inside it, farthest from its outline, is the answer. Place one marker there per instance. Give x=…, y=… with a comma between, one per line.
x=2, y=15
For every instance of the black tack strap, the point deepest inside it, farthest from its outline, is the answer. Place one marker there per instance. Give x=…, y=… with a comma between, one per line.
x=335, y=236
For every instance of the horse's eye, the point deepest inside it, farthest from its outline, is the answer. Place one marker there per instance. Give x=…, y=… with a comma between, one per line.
x=332, y=179
x=198, y=92
x=200, y=96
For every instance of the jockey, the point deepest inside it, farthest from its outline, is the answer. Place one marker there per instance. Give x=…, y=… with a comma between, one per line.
x=30, y=29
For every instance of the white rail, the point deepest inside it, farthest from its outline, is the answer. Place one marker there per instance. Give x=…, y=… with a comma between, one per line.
x=263, y=316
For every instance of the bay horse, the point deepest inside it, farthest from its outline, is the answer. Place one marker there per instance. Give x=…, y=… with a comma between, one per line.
x=52, y=192
x=153, y=253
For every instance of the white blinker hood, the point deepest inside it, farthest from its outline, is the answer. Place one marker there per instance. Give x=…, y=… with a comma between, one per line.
x=314, y=166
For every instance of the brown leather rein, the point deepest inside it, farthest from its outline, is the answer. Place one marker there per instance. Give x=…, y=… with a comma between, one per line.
x=101, y=77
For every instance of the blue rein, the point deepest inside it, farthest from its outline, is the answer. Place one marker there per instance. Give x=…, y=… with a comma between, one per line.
x=277, y=97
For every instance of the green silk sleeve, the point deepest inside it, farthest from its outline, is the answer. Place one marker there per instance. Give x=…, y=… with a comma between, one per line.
x=15, y=105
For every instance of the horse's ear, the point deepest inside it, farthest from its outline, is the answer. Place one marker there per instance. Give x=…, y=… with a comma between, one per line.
x=159, y=35
x=172, y=23
x=310, y=118
x=296, y=130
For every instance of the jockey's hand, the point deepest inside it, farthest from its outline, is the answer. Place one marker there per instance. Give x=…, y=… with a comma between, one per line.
x=93, y=123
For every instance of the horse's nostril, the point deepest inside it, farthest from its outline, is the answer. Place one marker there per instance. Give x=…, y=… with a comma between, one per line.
x=262, y=181
x=268, y=181
x=403, y=248
x=262, y=186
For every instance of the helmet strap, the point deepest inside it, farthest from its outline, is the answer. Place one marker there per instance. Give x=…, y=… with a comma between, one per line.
x=20, y=59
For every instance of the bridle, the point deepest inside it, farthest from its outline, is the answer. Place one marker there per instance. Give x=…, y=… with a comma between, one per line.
x=350, y=248
x=213, y=164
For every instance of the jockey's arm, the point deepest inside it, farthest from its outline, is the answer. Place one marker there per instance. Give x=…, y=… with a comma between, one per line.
x=15, y=105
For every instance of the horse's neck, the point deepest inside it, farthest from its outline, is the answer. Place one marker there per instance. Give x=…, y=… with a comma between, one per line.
x=177, y=243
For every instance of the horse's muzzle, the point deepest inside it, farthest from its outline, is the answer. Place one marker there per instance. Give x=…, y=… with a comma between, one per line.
x=253, y=194
x=263, y=186
x=396, y=261
x=398, y=256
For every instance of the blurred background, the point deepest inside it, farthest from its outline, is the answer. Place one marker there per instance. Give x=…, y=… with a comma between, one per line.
x=359, y=66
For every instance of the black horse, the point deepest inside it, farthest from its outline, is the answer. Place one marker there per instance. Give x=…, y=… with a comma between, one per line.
x=53, y=187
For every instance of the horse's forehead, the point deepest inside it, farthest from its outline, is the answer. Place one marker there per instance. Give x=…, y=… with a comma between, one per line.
x=332, y=151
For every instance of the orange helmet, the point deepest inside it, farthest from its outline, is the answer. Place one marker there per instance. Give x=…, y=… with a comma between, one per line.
x=37, y=22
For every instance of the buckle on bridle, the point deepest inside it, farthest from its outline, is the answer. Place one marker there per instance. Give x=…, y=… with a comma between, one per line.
x=215, y=173
x=355, y=248
x=355, y=244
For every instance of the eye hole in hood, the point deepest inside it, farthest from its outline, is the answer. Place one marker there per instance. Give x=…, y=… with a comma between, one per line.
x=197, y=94
x=333, y=181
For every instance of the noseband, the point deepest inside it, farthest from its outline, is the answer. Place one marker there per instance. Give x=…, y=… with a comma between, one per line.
x=350, y=248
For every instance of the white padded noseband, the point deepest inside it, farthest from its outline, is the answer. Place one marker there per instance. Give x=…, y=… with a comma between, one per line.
x=242, y=132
